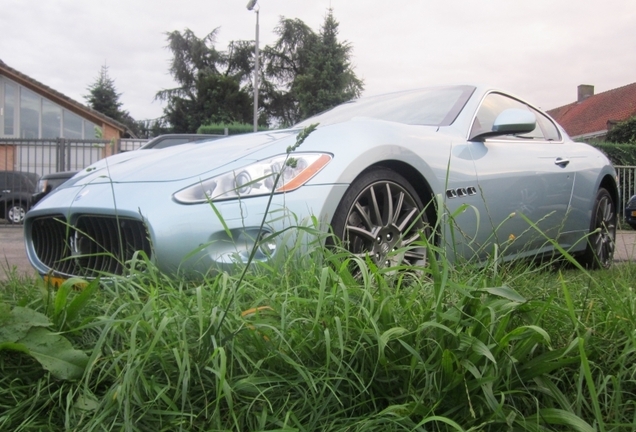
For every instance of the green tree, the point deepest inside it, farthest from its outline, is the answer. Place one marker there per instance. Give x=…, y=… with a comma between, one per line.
x=303, y=73
x=103, y=97
x=623, y=132
x=329, y=80
x=284, y=62
x=209, y=81
x=311, y=72
x=152, y=128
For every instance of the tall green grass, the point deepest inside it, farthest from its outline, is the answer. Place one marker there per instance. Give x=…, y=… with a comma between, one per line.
x=301, y=344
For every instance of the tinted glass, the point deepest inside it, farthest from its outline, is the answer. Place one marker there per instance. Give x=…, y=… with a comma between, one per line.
x=90, y=130
x=493, y=105
x=169, y=142
x=17, y=181
x=550, y=131
x=72, y=125
x=51, y=120
x=437, y=106
x=9, y=109
x=29, y=114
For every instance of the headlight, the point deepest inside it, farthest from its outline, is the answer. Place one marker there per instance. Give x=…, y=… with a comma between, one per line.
x=257, y=179
x=41, y=187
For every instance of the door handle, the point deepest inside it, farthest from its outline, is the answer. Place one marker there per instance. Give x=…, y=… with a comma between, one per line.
x=561, y=162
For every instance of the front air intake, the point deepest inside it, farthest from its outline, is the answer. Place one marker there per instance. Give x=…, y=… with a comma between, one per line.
x=93, y=246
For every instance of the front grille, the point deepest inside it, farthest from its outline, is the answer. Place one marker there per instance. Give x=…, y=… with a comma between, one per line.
x=93, y=246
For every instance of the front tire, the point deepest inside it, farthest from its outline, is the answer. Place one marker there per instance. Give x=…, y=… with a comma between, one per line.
x=601, y=241
x=381, y=216
x=15, y=213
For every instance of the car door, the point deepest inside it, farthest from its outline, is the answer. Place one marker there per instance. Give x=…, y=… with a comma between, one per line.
x=3, y=186
x=525, y=182
x=6, y=190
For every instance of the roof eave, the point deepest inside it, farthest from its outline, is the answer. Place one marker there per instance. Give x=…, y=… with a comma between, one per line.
x=59, y=98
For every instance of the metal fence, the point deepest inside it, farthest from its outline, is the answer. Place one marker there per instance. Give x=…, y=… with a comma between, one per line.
x=46, y=156
x=129, y=144
x=23, y=161
x=626, y=184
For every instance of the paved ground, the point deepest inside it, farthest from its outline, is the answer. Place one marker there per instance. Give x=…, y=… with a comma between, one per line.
x=13, y=256
x=12, y=252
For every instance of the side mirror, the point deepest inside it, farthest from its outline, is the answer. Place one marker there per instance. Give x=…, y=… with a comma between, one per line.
x=510, y=121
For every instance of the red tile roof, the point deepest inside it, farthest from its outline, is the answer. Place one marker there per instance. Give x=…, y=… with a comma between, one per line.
x=592, y=114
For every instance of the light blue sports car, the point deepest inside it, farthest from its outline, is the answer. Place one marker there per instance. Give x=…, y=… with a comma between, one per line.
x=476, y=170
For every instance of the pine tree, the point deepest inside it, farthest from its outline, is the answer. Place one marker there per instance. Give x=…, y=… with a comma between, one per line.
x=330, y=79
x=313, y=71
x=103, y=97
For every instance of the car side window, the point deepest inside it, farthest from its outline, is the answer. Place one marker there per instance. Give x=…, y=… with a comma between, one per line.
x=8, y=181
x=550, y=131
x=493, y=105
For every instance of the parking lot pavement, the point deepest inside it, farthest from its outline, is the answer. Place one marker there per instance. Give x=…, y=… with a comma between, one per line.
x=625, y=246
x=12, y=251
x=13, y=255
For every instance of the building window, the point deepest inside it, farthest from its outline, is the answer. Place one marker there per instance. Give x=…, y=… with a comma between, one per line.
x=29, y=114
x=72, y=125
x=90, y=130
x=25, y=114
x=51, y=120
x=9, y=108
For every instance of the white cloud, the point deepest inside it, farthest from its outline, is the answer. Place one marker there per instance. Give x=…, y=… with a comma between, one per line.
x=540, y=50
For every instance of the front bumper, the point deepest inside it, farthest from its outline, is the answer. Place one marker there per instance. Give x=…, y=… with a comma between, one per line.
x=630, y=212
x=96, y=230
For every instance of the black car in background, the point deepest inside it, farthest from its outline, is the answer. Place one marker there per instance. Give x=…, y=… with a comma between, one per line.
x=48, y=182
x=630, y=212
x=169, y=140
x=16, y=188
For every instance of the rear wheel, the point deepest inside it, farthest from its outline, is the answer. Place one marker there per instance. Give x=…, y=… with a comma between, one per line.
x=602, y=238
x=15, y=212
x=382, y=217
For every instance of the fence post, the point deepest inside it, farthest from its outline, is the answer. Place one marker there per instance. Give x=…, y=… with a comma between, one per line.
x=60, y=159
x=67, y=149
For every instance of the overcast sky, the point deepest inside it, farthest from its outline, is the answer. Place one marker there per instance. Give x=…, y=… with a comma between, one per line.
x=540, y=49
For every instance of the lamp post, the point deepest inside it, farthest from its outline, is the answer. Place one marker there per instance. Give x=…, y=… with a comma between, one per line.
x=250, y=6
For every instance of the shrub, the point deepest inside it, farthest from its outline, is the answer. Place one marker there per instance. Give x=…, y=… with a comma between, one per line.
x=623, y=132
x=618, y=154
x=232, y=128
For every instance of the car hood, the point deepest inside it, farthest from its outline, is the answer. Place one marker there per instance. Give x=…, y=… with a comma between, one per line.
x=178, y=162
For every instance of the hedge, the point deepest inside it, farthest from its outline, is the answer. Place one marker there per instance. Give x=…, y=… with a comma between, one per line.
x=618, y=154
x=232, y=128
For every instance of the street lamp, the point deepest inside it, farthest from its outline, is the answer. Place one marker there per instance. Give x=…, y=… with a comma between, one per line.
x=250, y=6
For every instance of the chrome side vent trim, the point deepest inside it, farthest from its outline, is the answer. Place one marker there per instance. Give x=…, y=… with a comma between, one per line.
x=461, y=192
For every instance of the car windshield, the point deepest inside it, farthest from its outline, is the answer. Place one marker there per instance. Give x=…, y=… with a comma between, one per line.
x=436, y=106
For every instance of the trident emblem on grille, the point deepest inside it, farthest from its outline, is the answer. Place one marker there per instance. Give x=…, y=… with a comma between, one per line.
x=78, y=244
